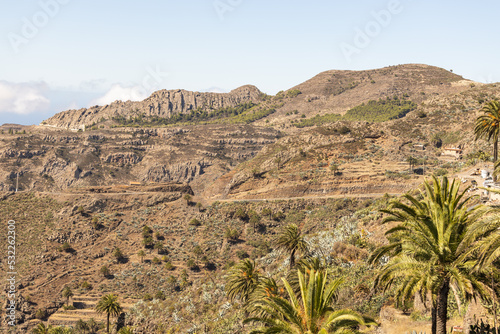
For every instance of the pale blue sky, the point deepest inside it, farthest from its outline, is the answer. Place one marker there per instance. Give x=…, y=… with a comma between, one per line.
x=87, y=52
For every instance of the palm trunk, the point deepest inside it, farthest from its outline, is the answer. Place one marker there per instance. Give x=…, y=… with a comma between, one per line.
x=107, y=325
x=495, y=157
x=442, y=307
x=292, y=259
x=433, y=319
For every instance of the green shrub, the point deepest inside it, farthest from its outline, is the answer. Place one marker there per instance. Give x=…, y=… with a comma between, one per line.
x=117, y=254
x=380, y=111
x=160, y=295
x=191, y=264
x=66, y=247
x=241, y=214
x=267, y=212
x=105, y=271
x=169, y=266
x=440, y=172
x=373, y=111
x=86, y=285
x=232, y=235
x=41, y=314
x=293, y=93
x=241, y=254
x=194, y=222
x=278, y=216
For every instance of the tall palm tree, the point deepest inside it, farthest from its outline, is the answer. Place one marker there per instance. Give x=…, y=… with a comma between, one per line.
x=308, y=312
x=243, y=279
x=141, y=254
x=431, y=246
x=488, y=126
x=109, y=304
x=292, y=241
x=67, y=293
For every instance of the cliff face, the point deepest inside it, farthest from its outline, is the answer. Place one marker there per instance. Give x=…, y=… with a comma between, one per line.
x=49, y=158
x=163, y=103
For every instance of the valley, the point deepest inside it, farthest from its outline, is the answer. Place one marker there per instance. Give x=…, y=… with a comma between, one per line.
x=185, y=185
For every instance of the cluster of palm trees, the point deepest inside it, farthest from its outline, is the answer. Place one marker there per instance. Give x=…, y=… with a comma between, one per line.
x=441, y=242
x=301, y=303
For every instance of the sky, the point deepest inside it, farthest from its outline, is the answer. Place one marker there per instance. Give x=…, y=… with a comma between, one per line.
x=68, y=54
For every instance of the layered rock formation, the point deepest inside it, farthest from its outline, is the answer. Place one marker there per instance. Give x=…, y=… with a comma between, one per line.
x=163, y=103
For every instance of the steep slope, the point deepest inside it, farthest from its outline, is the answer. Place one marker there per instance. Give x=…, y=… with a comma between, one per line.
x=48, y=159
x=331, y=158
x=163, y=103
x=338, y=91
x=245, y=180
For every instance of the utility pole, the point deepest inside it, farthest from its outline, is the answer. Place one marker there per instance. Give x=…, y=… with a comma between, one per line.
x=17, y=181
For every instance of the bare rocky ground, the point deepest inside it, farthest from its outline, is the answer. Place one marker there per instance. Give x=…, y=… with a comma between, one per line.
x=75, y=188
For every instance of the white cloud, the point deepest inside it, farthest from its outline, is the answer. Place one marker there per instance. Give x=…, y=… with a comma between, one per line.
x=214, y=90
x=23, y=98
x=119, y=92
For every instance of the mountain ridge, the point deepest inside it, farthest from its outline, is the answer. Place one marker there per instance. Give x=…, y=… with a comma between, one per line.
x=329, y=91
x=162, y=103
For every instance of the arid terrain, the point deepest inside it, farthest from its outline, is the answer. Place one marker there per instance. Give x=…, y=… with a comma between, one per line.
x=199, y=181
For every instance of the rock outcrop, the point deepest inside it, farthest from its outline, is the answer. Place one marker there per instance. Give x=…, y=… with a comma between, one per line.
x=123, y=158
x=162, y=103
x=182, y=172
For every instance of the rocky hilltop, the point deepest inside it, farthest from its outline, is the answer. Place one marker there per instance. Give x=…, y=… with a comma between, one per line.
x=337, y=91
x=163, y=103
x=332, y=91
x=106, y=209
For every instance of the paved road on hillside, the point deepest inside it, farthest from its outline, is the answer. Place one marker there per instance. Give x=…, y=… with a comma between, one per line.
x=366, y=195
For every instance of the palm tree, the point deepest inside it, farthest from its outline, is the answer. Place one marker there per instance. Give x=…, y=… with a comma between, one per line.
x=243, y=279
x=159, y=247
x=334, y=168
x=109, y=304
x=431, y=247
x=188, y=198
x=67, y=293
x=278, y=161
x=118, y=255
x=489, y=228
x=308, y=312
x=292, y=241
x=411, y=161
x=141, y=254
x=488, y=126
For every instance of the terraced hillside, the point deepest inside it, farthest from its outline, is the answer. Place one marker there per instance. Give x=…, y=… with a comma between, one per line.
x=158, y=213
